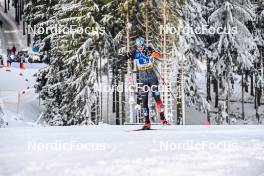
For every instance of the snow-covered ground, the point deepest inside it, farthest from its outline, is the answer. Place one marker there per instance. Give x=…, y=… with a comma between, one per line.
x=113, y=151
x=14, y=81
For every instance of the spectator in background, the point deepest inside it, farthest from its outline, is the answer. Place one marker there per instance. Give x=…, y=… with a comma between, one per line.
x=27, y=58
x=31, y=60
x=10, y=51
x=14, y=49
x=24, y=58
x=11, y=59
x=19, y=57
x=1, y=60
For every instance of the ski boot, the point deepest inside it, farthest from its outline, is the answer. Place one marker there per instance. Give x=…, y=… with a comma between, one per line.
x=164, y=122
x=146, y=126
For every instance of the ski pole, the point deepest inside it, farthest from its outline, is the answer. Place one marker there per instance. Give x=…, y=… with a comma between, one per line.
x=164, y=82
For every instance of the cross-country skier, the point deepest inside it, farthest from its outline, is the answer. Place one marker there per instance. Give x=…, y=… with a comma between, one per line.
x=143, y=57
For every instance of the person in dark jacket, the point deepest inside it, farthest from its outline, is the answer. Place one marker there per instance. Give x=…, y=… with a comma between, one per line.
x=143, y=57
x=14, y=50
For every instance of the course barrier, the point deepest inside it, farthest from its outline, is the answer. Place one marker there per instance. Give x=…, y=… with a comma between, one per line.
x=17, y=100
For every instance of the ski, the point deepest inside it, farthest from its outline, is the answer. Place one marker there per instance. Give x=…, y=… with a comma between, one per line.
x=140, y=130
x=151, y=129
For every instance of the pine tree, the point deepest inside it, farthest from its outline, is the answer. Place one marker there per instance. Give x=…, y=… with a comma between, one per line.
x=232, y=50
x=259, y=66
x=36, y=15
x=193, y=47
x=69, y=81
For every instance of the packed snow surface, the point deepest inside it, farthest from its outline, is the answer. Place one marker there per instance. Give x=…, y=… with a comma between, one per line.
x=115, y=151
x=15, y=81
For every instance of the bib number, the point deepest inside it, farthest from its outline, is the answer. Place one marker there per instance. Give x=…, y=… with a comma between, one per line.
x=144, y=60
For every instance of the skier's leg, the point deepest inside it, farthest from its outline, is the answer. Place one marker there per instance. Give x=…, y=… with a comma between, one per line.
x=147, y=124
x=159, y=103
x=156, y=94
x=143, y=91
x=145, y=107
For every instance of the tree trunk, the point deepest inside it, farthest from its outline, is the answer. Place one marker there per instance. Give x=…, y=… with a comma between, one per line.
x=179, y=101
x=28, y=35
x=208, y=81
x=228, y=98
x=252, y=85
x=21, y=9
x=221, y=83
x=123, y=99
x=146, y=22
x=243, y=103
x=216, y=93
x=108, y=93
x=215, y=82
x=261, y=69
x=208, y=86
x=262, y=66
x=129, y=69
x=257, y=102
x=246, y=82
x=117, y=103
x=5, y=7
x=17, y=11
x=114, y=90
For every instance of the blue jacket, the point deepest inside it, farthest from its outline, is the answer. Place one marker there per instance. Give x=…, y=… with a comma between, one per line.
x=143, y=59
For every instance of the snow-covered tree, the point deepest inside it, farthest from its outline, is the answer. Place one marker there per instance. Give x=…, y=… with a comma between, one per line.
x=192, y=46
x=36, y=13
x=234, y=47
x=68, y=91
x=258, y=31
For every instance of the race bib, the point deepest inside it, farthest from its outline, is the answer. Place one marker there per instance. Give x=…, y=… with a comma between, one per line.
x=144, y=60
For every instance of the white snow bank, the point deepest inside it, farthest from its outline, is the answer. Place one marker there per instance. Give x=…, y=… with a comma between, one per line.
x=113, y=151
x=3, y=121
x=14, y=81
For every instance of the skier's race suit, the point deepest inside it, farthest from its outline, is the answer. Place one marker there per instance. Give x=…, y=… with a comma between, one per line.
x=148, y=80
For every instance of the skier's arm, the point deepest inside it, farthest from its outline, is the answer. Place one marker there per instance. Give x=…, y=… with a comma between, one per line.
x=129, y=56
x=124, y=58
x=154, y=54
